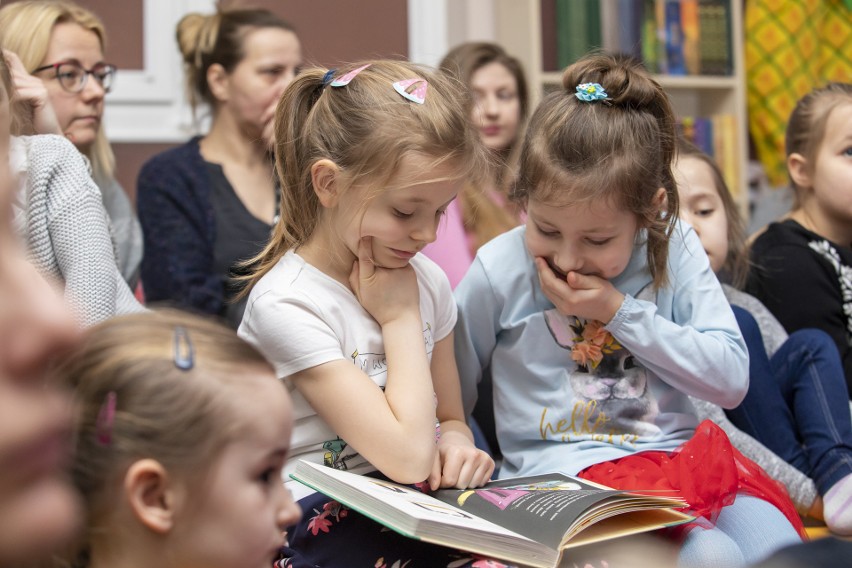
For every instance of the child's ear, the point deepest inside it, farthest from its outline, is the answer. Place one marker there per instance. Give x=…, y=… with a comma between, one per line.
x=152, y=495
x=797, y=165
x=324, y=177
x=661, y=200
x=218, y=81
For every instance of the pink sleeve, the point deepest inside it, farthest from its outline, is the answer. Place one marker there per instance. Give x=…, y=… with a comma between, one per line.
x=451, y=250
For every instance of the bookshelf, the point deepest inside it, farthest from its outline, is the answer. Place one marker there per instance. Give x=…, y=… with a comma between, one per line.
x=519, y=28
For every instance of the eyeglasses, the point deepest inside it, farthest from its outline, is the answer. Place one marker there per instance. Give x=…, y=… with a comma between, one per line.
x=72, y=76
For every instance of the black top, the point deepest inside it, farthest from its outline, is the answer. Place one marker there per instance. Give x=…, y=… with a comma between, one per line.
x=239, y=236
x=806, y=282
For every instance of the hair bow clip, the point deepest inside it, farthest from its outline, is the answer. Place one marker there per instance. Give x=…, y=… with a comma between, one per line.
x=346, y=79
x=589, y=92
x=416, y=95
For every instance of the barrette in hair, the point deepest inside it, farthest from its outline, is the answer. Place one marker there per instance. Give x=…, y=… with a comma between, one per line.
x=591, y=92
x=184, y=354
x=105, y=420
x=416, y=95
x=346, y=79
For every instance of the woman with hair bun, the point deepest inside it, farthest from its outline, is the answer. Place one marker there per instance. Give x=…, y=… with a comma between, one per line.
x=209, y=204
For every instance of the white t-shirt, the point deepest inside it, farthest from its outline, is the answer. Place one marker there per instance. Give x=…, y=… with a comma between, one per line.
x=299, y=317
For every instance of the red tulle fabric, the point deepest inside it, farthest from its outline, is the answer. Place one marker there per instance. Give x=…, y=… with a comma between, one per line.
x=707, y=471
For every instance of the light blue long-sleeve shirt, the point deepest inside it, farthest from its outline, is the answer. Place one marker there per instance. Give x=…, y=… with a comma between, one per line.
x=555, y=415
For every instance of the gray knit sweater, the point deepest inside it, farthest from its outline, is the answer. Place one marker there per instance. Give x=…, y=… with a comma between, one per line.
x=67, y=230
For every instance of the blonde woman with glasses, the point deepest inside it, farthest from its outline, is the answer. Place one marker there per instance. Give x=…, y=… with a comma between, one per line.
x=59, y=68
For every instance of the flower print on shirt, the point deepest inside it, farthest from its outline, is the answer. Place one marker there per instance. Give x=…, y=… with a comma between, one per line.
x=612, y=400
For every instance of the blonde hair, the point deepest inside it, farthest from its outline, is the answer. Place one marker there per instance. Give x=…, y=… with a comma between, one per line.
x=181, y=418
x=366, y=128
x=26, y=27
x=737, y=262
x=482, y=216
x=208, y=39
x=18, y=109
x=807, y=124
x=619, y=150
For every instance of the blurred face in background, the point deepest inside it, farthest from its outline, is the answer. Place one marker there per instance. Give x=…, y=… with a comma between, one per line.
x=251, y=91
x=497, y=108
x=39, y=509
x=79, y=113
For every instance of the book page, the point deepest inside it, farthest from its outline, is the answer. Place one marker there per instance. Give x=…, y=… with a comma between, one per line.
x=542, y=507
x=408, y=502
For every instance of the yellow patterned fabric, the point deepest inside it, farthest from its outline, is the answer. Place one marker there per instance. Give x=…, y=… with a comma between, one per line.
x=792, y=47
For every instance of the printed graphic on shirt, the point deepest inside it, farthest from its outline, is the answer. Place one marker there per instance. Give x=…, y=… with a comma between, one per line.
x=333, y=456
x=376, y=363
x=612, y=401
x=844, y=277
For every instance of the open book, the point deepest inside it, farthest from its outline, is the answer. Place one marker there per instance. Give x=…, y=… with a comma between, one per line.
x=527, y=520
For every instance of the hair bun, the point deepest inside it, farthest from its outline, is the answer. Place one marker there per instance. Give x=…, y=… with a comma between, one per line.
x=622, y=76
x=196, y=34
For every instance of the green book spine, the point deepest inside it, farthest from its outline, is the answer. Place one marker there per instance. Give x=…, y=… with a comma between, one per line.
x=572, y=31
x=594, y=34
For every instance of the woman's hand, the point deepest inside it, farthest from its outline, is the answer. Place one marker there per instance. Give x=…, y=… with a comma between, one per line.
x=386, y=293
x=585, y=296
x=31, y=90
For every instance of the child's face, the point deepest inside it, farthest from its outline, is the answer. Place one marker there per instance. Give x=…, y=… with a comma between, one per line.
x=403, y=218
x=594, y=239
x=497, y=108
x=701, y=207
x=236, y=519
x=832, y=170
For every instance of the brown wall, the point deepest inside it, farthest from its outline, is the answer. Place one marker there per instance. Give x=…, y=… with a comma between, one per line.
x=331, y=31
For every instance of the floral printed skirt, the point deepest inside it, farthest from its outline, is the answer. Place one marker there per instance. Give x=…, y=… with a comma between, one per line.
x=331, y=535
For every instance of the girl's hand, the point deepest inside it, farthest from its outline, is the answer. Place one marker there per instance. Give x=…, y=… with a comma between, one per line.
x=386, y=293
x=31, y=90
x=589, y=297
x=459, y=464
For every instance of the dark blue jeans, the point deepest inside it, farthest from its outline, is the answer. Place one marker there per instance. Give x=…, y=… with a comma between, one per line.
x=797, y=403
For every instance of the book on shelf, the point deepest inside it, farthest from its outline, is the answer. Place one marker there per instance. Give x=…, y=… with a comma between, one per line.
x=714, y=34
x=716, y=136
x=673, y=34
x=528, y=520
x=674, y=37
x=578, y=29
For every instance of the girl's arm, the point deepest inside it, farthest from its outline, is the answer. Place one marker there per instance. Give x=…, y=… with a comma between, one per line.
x=700, y=350
x=460, y=464
x=79, y=235
x=393, y=429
